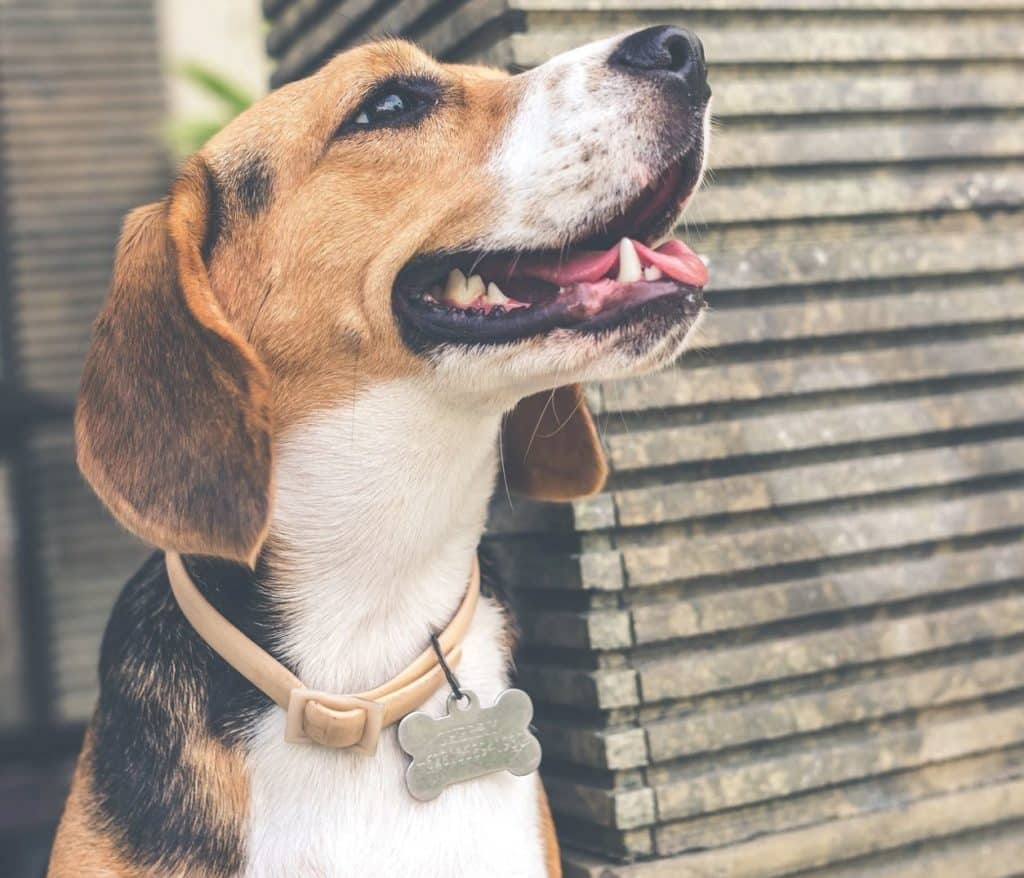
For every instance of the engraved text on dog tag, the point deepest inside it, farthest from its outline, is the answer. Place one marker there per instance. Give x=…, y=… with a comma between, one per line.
x=468, y=742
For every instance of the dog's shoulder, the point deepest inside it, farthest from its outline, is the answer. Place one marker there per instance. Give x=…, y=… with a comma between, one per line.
x=162, y=775
x=84, y=846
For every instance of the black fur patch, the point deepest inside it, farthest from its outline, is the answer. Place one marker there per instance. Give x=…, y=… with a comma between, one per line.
x=214, y=214
x=494, y=568
x=253, y=183
x=252, y=187
x=159, y=683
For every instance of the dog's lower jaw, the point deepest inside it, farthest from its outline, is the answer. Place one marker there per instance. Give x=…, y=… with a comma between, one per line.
x=380, y=505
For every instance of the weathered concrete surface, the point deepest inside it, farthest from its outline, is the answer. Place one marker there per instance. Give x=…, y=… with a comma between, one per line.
x=596, y=689
x=842, y=479
x=788, y=633
x=823, y=316
x=597, y=630
x=866, y=39
x=820, y=538
x=814, y=372
x=824, y=427
x=677, y=615
x=855, y=192
x=614, y=749
x=854, y=799
x=621, y=809
x=820, y=709
x=715, y=670
x=776, y=856
x=799, y=92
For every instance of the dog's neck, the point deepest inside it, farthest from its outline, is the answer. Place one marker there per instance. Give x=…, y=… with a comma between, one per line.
x=379, y=507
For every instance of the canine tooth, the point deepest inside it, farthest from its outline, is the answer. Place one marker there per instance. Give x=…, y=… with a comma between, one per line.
x=652, y=272
x=495, y=296
x=456, y=289
x=629, y=263
x=475, y=288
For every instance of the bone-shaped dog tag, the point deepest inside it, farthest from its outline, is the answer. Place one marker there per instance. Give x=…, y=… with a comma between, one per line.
x=469, y=742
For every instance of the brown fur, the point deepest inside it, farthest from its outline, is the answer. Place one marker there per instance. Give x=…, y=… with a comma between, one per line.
x=174, y=404
x=550, y=447
x=81, y=848
x=223, y=793
x=197, y=365
x=552, y=854
x=85, y=848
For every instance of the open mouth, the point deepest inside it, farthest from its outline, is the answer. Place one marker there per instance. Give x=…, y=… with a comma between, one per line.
x=605, y=281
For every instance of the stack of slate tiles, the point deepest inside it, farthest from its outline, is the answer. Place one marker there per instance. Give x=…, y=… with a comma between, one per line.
x=787, y=640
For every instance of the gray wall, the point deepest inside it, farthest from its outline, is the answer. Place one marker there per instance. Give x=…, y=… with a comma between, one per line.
x=787, y=640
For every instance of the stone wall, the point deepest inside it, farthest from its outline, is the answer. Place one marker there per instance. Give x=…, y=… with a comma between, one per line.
x=787, y=639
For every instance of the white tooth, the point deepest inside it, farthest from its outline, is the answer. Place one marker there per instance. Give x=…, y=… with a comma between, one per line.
x=455, y=290
x=629, y=263
x=495, y=296
x=652, y=272
x=475, y=287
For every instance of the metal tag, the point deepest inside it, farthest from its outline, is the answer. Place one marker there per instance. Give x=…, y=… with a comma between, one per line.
x=468, y=742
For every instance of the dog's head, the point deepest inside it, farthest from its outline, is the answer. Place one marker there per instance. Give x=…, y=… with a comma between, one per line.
x=391, y=217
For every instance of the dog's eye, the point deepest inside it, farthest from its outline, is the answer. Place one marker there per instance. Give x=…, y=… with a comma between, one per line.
x=388, y=107
x=394, y=104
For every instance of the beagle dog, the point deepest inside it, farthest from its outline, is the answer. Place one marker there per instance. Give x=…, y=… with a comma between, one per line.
x=364, y=303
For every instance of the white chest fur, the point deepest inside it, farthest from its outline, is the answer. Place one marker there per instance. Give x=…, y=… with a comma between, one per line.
x=319, y=812
x=379, y=507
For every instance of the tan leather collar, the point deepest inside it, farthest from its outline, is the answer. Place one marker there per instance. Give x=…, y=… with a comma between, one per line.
x=343, y=721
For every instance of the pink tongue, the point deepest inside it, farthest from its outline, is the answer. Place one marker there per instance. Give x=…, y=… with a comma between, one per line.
x=674, y=258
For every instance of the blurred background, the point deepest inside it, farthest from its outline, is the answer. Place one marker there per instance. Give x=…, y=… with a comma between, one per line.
x=787, y=640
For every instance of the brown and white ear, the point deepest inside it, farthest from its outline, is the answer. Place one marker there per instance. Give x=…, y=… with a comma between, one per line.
x=173, y=422
x=550, y=448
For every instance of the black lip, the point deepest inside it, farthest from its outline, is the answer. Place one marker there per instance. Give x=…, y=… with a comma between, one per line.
x=425, y=326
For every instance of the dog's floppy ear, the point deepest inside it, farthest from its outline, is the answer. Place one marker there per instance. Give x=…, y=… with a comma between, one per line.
x=173, y=420
x=550, y=447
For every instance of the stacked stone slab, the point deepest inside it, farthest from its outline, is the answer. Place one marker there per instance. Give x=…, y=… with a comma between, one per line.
x=788, y=638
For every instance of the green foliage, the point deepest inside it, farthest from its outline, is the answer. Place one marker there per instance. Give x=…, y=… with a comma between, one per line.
x=187, y=135
x=234, y=98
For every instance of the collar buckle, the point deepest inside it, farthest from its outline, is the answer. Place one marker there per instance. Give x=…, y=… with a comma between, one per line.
x=295, y=726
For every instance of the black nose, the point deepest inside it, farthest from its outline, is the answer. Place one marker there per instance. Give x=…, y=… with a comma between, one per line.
x=666, y=53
